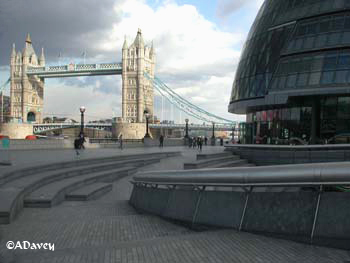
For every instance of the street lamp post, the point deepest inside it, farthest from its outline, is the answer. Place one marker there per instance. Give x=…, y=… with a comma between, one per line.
x=233, y=133
x=147, y=115
x=213, y=136
x=82, y=110
x=186, y=134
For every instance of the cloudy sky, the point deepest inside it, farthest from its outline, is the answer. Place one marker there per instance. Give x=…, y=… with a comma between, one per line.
x=197, y=42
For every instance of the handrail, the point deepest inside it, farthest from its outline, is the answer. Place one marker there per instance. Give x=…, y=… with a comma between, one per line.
x=282, y=175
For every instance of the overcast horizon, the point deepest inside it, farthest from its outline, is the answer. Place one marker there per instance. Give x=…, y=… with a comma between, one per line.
x=197, y=44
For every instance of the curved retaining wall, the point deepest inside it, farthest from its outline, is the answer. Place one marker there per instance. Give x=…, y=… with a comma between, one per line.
x=287, y=154
x=291, y=215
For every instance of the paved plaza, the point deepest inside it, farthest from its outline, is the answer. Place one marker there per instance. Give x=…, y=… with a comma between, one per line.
x=109, y=230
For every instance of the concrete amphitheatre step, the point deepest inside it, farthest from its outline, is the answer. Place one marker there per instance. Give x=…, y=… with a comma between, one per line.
x=88, y=192
x=54, y=193
x=213, y=155
x=232, y=163
x=210, y=162
x=16, y=185
x=60, y=165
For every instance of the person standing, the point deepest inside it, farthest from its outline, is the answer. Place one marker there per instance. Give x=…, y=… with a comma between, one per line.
x=77, y=145
x=206, y=140
x=200, y=143
x=161, y=141
x=121, y=141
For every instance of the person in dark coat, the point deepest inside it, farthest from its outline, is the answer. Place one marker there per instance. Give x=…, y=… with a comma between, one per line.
x=200, y=143
x=161, y=141
x=206, y=140
x=77, y=145
x=121, y=141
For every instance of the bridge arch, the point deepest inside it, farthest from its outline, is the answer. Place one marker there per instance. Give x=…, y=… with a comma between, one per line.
x=31, y=116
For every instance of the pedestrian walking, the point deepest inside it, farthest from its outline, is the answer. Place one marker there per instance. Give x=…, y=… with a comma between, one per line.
x=194, y=142
x=161, y=141
x=121, y=141
x=206, y=140
x=200, y=143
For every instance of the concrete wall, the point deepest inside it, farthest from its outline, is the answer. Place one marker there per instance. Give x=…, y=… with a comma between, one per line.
x=16, y=130
x=288, y=215
x=271, y=155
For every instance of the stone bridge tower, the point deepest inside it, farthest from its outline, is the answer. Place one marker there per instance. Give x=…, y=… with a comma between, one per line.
x=137, y=91
x=27, y=92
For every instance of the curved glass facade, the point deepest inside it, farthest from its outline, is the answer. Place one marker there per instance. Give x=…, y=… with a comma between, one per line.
x=286, y=28
x=295, y=62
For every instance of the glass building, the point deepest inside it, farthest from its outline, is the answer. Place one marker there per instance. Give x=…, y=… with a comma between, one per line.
x=293, y=78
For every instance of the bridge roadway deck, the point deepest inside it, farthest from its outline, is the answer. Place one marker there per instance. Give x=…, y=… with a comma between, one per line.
x=108, y=230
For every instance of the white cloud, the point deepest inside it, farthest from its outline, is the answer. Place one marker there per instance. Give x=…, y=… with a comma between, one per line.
x=194, y=57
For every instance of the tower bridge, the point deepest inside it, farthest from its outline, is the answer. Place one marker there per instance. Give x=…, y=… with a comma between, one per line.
x=137, y=69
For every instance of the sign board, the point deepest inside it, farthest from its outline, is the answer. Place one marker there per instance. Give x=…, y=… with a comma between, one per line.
x=5, y=143
x=5, y=155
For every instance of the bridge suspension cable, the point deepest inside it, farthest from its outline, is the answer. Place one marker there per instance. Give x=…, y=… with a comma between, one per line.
x=184, y=105
x=3, y=86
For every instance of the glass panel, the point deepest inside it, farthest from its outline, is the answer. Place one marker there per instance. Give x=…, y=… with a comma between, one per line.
x=346, y=38
x=291, y=81
x=333, y=39
x=315, y=78
x=344, y=108
x=317, y=63
x=330, y=62
x=309, y=42
x=302, y=79
x=327, y=77
x=295, y=114
x=321, y=40
x=340, y=76
x=343, y=61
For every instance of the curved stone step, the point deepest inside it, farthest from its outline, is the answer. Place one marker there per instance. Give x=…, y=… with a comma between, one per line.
x=13, y=175
x=209, y=162
x=13, y=191
x=88, y=192
x=213, y=155
x=234, y=163
x=54, y=193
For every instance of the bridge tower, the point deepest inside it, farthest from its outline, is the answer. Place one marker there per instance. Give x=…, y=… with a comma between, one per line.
x=27, y=92
x=137, y=91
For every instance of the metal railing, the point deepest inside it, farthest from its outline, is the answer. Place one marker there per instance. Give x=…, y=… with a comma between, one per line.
x=315, y=174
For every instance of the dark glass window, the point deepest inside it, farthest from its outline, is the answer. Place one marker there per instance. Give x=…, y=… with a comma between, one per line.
x=344, y=61
x=330, y=62
x=321, y=40
x=302, y=79
x=315, y=78
x=291, y=81
x=341, y=76
x=327, y=77
x=343, y=108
